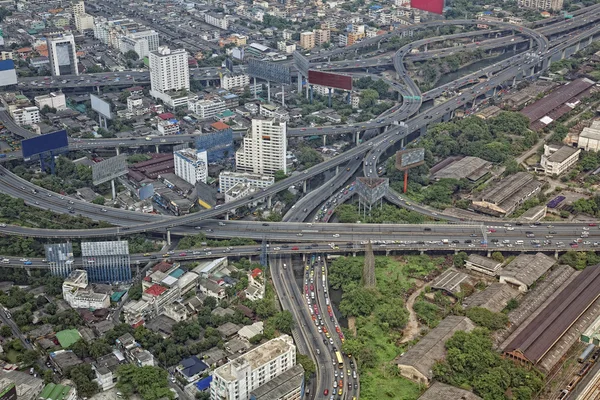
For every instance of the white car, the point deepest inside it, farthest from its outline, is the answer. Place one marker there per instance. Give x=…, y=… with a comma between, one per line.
x=336, y=235
x=24, y=259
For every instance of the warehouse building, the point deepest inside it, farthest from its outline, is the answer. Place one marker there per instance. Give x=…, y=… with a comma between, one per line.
x=533, y=300
x=548, y=334
x=471, y=168
x=449, y=281
x=440, y=390
x=508, y=194
x=483, y=265
x=417, y=363
x=525, y=269
x=494, y=297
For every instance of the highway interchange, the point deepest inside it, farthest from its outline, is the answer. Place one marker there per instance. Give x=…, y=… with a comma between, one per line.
x=295, y=236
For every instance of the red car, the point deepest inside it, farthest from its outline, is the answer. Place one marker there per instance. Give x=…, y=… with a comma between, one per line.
x=592, y=224
x=182, y=254
x=295, y=248
x=326, y=392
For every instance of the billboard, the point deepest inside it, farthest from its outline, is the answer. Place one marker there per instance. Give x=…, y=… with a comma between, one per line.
x=302, y=64
x=434, y=6
x=100, y=106
x=9, y=392
x=229, y=64
x=145, y=192
x=406, y=159
x=328, y=79
x=8, y=74
x=269, y=71
x=55, y=143
x=109, y=169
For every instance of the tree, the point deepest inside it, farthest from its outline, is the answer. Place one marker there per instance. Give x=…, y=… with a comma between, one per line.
x=28, y=358
x=5, y=331
x=83, y=375
x=460, y=258
x=368, y=97
x=279, y=175
x=308, y=365
x=150, y=383
x=131, y=55
x=487, y=319
x=283, y=321
x=100, y=200
x=308, y=157
x=357, y=301
x=135, y=292
x=497, y=256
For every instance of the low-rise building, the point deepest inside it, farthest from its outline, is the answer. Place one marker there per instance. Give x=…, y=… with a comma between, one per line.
x=79, y=294
x=191, y=369
x=105, y=369
x=525, y=269
x=228, y=179
x=25, y=115
x=508, y=194
x=589, y=138
x=62, y=360
x=557, y=160
x=133, y=352
x=418, y=361
x=231, y=81
x=287, y=386
x=53, y=100
x=53, y=391
x=206, y=108
x=485, y=265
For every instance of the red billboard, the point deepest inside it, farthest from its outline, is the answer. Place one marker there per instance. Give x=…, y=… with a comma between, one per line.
x=337, y=81
x=434, y=6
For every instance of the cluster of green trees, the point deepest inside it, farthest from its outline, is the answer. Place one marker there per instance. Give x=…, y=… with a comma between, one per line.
x=151, y=383
x=348, y=213
x=580, y=259
x=94, y=349
x=307, y=156
x=381, y=87
x=15, y=211
x=589, y=206
x=195, y=241
x=83, y=376
x=487, y=319
x=472, y=363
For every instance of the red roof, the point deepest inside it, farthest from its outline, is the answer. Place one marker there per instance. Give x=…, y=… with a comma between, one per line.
x=138, y=324
x=162, y=267
x=220, y=126
x=147, y=279
x=155, y=290
x=256, y=272
x=166, y=116
x=135, y=89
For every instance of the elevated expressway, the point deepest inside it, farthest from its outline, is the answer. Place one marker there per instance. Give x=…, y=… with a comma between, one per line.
x=375, y=145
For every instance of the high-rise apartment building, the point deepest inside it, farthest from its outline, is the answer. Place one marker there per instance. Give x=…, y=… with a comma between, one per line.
x=191, y=165
x=322, y=36
x=78, y=7
x=169, y=73
x=542, y=4
x=263, y=151
x=62, y=54
x=307, y=40
x=236, y=379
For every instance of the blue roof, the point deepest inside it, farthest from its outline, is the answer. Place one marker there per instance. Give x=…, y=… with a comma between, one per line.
x=7, y=65
x=177, y=273
x=192, y=366
x=203, y=384
x=487, y=13
x=376, y=7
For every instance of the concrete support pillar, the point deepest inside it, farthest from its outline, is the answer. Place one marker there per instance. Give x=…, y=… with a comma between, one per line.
x=402, y=143
x=421, y=252
x=255, y=89
x=590, y=40
x=353, y=254
x=357, y=137
x=556, y=254
x=422, y=131
x=577, y=46
x=304, y=185
x=489, y=253
x=269, y=201
x=169, y=237
x=495, y=90
x=455, y=251
x=563, y=54
x=514, y=82
x=114, y=190
x=118, y=150
x=156, y=147
x=304, y=257
x=515, y=48
x=227, y=217
x=324, y=140
x=28, y=270
x=387, y=253
x=337, y=169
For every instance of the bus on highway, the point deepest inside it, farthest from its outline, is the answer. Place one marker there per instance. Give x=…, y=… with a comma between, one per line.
x=340, y=360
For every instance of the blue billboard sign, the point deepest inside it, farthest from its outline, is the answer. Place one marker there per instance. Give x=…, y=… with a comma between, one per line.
x=145, y=192
x=51, y=143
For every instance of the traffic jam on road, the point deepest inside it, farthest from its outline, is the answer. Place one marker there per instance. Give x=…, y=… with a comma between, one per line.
x=319, y=313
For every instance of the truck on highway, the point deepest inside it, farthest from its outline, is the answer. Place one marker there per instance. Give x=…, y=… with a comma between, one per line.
x=445, y=241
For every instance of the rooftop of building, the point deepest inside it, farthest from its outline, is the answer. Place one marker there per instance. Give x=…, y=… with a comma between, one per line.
x=472, y=168
x=256, y=357
x=192, y=366
x=449, y=281
x=494, y=297
x=439, y=391
x=562, y=154
x=528, y=268
x=281, y=385
x=53, y=391
x=155, y=290
x=542, y=332
x=67, y=337
x=431, y=348
x=220, y=126
x=592, y=132
x=65, y=359
x=484, y=262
